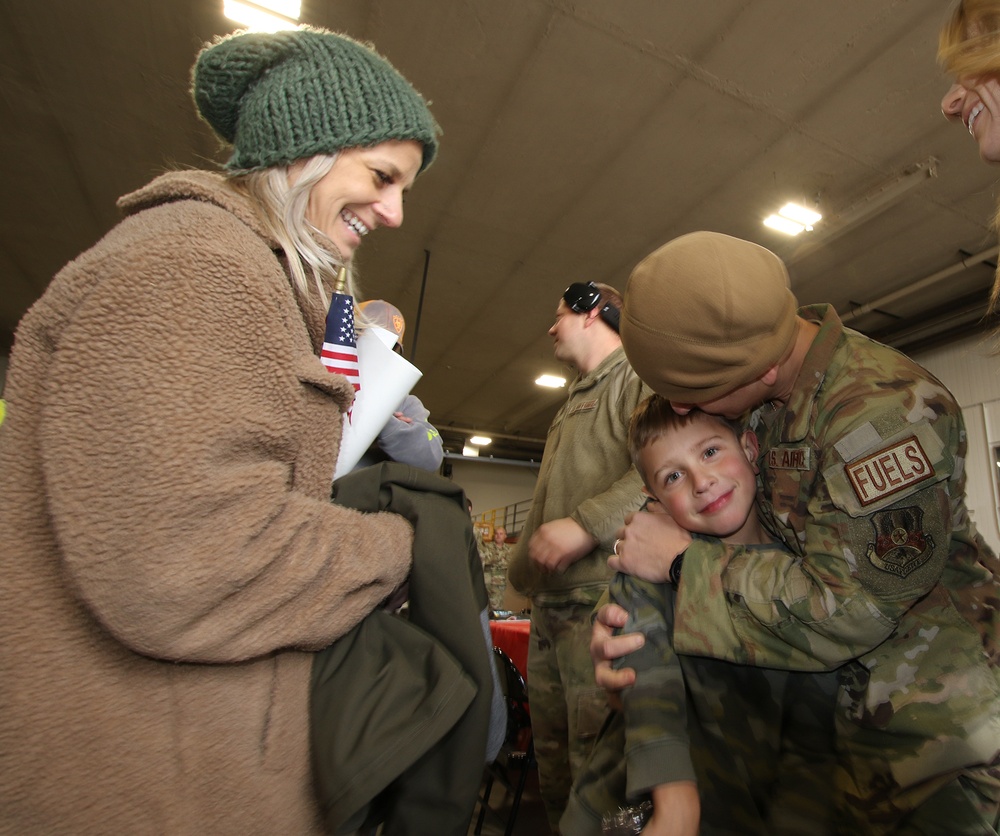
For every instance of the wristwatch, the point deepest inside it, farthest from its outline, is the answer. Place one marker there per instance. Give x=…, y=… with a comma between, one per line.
x=675, y=569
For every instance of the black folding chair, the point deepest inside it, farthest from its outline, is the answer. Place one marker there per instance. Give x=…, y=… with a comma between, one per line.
x=517, y=755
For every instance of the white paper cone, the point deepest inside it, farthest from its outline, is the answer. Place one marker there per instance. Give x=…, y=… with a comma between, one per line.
x=386, y=378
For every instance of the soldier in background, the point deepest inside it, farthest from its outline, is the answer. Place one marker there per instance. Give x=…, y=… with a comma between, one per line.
x=863, y=479
x=494, y=555
x=585, y=487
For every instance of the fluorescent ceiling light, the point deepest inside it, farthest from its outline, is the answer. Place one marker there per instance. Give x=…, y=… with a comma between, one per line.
x=288, y=8
x=469, y=450
x=264, y=15
x=799, y=214
x=783, y=225
x=792, y=219
x=480, y=439
x=551, y=381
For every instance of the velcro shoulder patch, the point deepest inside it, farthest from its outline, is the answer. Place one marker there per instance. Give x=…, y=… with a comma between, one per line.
x=887, y=473
x=900, y=545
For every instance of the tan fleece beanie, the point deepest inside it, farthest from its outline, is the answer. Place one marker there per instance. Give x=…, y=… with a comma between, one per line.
x=706, y=314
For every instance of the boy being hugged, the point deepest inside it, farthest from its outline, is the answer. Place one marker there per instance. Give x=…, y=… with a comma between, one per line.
x=718, y=747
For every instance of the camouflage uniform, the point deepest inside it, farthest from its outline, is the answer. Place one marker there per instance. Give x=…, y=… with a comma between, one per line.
x=862, y=474
x=586, y=474
x=759, y=743
x=494, y=558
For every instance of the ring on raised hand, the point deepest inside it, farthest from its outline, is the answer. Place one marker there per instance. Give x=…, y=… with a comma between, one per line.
x=615, y=549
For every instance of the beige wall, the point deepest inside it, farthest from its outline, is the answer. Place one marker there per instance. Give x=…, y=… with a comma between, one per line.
x=490, y=485
x=972, y=372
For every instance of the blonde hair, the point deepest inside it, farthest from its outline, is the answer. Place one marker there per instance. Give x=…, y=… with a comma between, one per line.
x=969, y=42
x=969, y=48
x=310, y=254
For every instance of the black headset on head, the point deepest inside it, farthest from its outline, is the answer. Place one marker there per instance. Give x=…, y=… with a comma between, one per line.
x=582, y=297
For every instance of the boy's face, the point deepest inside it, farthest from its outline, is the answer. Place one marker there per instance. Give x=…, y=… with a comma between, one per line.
x=703, y=476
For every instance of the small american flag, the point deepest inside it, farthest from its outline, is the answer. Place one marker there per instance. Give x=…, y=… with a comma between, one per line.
x=340, y=345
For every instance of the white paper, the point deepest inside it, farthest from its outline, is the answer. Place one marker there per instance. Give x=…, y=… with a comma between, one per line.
x=386, y=378
x=383, y=334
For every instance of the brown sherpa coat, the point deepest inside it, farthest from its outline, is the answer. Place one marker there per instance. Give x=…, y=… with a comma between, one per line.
x=168, y=547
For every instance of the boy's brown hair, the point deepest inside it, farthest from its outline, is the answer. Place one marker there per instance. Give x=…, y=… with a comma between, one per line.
x=654, y=417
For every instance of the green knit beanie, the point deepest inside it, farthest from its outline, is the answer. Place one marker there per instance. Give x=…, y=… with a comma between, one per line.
x=279, y=97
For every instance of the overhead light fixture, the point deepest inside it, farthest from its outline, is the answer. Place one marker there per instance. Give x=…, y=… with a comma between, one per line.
x=793, y=219
x=264, y=15
x=480, y=440
x=550, y=381
x=783, y=225
x=799, y=214
x=469, y=450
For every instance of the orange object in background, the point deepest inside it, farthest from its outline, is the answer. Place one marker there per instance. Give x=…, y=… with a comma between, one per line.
x=511, y=636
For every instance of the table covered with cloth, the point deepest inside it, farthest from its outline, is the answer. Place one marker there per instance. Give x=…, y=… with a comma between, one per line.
x=511, y=636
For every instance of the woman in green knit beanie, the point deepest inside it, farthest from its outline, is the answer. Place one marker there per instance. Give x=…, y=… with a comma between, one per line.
x=323, y=130
x=172, y=560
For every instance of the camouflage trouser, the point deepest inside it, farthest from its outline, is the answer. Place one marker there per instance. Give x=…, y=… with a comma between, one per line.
x=878, y=788
x=567, y=707
x=967, y=806
x=495, y=576
x=871, y=803
x=599, y=788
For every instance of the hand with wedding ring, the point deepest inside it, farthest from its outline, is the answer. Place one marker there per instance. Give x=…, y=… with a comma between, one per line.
x=646, y=546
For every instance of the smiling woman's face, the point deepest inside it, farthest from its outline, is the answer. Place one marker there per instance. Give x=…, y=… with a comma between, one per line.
x=976, y=104
x=362, y=191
